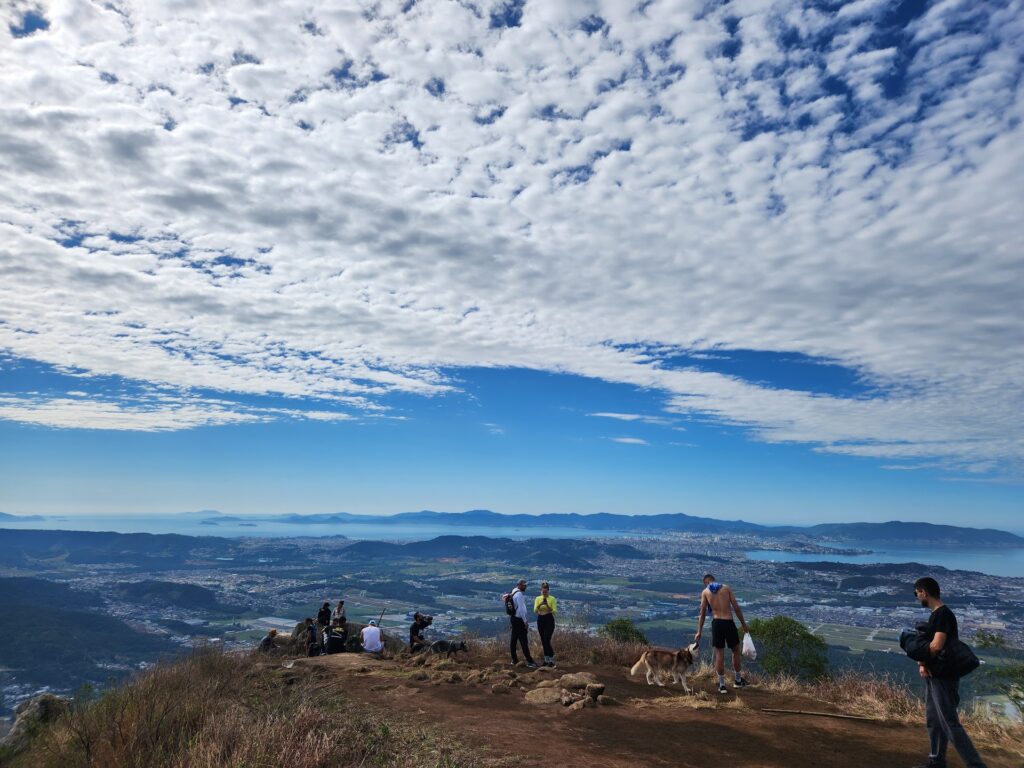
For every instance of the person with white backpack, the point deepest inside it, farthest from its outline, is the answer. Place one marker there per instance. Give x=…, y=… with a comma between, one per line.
x=719, y=598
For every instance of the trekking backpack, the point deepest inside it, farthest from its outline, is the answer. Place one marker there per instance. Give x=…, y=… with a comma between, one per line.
x=510, y=604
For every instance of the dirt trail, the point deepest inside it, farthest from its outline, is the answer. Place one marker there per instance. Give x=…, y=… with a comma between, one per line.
x=650, y=726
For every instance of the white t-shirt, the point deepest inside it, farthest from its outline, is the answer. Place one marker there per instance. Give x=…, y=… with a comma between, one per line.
x=372, y=640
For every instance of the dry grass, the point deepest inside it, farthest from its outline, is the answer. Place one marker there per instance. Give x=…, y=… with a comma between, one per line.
x=696, y=700
x=214, y=710
x=574, y=647
x=880, y=697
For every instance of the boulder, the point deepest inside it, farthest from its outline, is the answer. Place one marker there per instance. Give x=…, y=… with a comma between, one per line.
x=595, y=689
x=543, y=696
x=582, y=704
x=31, y=715
x=567, y=698
x=547, y=684
x=608, y=701
x=575, y=680
x=501, y=688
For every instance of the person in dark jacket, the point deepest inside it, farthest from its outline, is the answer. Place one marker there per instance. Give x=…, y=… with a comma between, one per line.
x=336, y=637
x=419, y=624
x=323, y=616
x=941, y=688
x=310, y=638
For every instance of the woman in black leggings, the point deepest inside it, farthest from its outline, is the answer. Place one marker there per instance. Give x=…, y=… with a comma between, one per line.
x=545, y=606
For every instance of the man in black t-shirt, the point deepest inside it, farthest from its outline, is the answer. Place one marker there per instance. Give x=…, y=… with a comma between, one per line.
x=420, y=623
x=941, y=693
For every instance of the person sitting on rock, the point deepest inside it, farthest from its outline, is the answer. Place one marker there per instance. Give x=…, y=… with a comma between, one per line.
x=337, y=636
x=420, y=623
x=269, y=643
x=372, y=639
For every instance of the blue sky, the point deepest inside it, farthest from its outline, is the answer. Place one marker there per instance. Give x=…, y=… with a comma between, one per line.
x=753, y=259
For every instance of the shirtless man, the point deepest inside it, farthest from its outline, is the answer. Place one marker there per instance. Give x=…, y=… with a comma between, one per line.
x=722, y=602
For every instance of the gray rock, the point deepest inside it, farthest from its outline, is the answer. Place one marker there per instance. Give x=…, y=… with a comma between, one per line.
x=575, y=680
x=595, y=689
x=31, y=716
x=544, y=696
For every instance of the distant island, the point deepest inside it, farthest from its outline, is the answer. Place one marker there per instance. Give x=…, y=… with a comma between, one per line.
x=907, y=534
x=19, y=518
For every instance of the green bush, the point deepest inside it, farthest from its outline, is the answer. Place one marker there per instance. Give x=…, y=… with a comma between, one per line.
x=785, y=646
x=623, y=631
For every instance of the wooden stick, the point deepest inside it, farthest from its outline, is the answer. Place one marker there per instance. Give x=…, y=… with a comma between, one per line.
x=821, y=714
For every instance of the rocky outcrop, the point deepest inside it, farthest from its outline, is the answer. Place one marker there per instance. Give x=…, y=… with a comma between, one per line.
x=31, y=716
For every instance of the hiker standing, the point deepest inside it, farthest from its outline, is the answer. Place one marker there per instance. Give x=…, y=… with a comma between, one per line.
x=519, y=620
x=722, y=602
x=942, y=689
x=339, y=611
x=312, y=643
x=545, y=606
x=323, y=616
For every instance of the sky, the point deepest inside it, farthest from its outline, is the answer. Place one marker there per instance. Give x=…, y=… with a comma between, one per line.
x=756, y=260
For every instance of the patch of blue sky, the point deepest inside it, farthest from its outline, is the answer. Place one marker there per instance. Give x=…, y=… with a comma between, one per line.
x=435, y=87
x=403, y=132
x=777, y=370
x=507, y=14
x=490, y=115
x=593, y=24
x=31, y=22
x=511, y=440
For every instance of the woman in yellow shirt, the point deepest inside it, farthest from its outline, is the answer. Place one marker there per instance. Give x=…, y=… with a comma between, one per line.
x=545, y=606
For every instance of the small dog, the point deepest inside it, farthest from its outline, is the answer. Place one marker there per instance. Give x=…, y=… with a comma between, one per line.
x=657, y=662
x=448, y=647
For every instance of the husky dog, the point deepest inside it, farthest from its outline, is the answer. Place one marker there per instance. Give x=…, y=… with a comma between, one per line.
x=447, y=647
x=656, y=662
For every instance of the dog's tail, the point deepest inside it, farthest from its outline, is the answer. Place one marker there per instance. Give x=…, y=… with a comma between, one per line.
x=639, y=664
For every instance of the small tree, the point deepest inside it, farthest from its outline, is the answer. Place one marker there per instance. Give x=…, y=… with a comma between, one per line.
x=986, y=639
x=623, y=631
x=788, y=647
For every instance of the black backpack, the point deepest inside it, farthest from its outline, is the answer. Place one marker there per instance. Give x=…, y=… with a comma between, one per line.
x=955, y=660
x=510, y=604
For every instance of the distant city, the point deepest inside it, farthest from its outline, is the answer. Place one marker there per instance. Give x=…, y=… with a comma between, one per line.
x=123, y=600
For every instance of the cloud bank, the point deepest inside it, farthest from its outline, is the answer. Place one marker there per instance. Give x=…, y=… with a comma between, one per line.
x=336, y=202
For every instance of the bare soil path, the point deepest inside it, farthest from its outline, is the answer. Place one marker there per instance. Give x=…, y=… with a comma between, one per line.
x=651, y=726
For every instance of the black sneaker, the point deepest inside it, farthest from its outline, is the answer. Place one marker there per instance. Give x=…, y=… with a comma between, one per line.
x=722, y=688
x=741, y=682
x=531, y=665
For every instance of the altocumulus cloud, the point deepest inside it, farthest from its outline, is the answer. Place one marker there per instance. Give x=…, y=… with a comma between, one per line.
x=337, y=201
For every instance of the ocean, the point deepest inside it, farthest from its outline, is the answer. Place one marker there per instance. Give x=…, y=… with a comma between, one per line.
x=995, y=562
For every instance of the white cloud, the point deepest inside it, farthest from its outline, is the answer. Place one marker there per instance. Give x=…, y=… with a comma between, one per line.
x=629, y=440
x=659, y=420
x=304, y=217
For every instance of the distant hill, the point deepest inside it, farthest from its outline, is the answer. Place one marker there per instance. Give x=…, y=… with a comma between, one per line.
x=896, y=532
x=915, y=534
x=47, y=632
x=153, y=551
x=163, y=594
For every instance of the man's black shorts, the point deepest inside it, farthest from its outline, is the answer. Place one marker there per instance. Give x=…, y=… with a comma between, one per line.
x=724, y=634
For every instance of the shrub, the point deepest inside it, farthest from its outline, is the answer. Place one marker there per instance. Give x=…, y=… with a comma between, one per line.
x=787, y=647
x=623, y=631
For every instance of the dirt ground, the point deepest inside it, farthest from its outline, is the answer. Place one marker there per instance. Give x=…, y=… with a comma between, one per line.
x=649, y=726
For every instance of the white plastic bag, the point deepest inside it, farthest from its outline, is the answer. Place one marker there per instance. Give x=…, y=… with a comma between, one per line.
x=749, y=651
